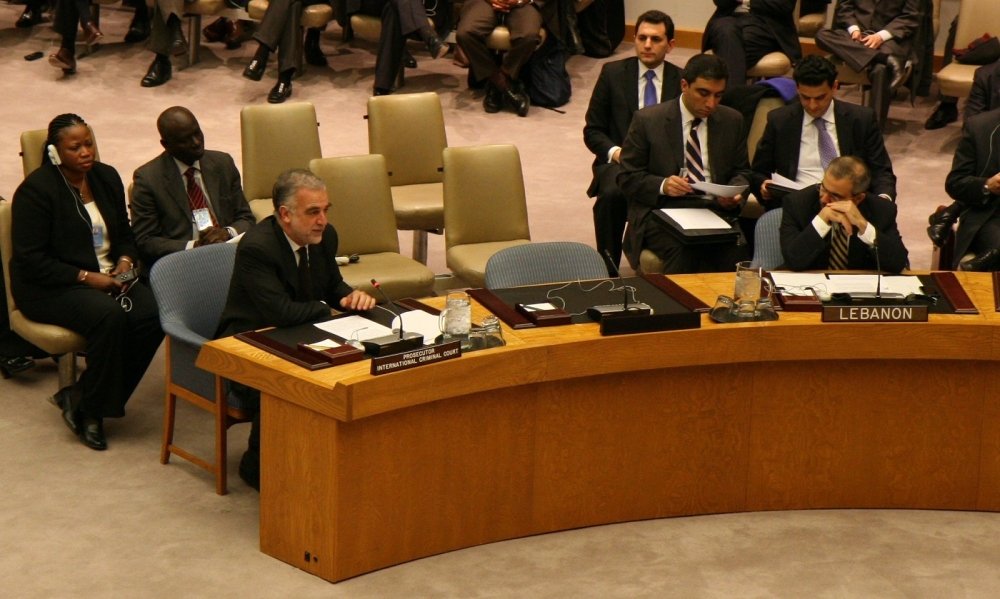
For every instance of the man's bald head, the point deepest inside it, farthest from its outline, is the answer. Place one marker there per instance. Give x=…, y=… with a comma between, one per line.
x=180, y=134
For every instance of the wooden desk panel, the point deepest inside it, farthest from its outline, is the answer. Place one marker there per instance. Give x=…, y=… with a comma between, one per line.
x=563, y=428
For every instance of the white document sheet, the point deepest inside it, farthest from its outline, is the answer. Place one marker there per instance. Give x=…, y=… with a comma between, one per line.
x=354, y=327
x=800, y=283
x=419, y=321
x=691, y=219
x=903, y=285
x=786, y=182
x=723, y=191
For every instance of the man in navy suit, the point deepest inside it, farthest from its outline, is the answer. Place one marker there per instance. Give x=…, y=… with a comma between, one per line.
x=272, y=287
x=790, y=143
x=623, y=87
x=163, y=220
x=814, y=217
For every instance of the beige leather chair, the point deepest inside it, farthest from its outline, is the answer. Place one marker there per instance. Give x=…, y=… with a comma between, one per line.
x=31, y=149
x=275, y=138
x=484, y=207
x=313, y=16
x=194, y=10
x=975, y=17
x=61, y=343
x=408, y=129
x=808, y=24
x=361, y=211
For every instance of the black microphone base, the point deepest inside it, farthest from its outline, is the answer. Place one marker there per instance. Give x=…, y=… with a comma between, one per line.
x=598, y=313
x=393, y=344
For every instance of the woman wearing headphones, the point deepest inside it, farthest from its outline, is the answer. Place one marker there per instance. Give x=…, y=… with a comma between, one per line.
x=73, y=266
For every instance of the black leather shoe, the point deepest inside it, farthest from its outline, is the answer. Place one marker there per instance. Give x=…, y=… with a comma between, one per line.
x=255, y=70
x=29, y=18
x=12, y=366
x=517, y=101
x=63, y=59
x=493, y=100
x=67, y=399
x=898, y=72
x=91, y=35
x=178, y=45
x=946, y=112
x=408, y=60
x=939, y=233
x=983, y=262
x=279, y=93
x=159, y=72
x=250, y=469
x=138, y=30
x=92, y=434
x=437, y=48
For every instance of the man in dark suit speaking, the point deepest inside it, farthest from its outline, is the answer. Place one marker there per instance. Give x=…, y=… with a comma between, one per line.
x=801, y=139
x=187, y=196
x=839, y=225
x=624, y=87
x=695, y=133
x=286, y=274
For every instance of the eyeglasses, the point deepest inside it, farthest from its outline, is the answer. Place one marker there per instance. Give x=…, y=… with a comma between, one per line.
x=823, y=191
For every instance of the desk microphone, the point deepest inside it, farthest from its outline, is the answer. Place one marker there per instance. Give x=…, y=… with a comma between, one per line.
x=393, y=343
x=637, y=309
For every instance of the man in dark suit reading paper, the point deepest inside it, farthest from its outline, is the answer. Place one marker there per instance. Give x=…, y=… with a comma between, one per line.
x=839, y=225
x=286, y=274
x=673, y=145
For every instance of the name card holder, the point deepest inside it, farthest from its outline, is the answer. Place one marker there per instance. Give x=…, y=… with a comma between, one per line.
x=545, y=318
x=875, y=313
x=418, y=357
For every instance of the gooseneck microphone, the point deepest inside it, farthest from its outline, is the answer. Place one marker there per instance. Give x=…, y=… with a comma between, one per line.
x=617, y=273
x=392, y=343
x=601, y=312
x=394, y=308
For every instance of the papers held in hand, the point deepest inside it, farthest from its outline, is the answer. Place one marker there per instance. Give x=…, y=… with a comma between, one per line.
x=781, y=186
x=697, y=225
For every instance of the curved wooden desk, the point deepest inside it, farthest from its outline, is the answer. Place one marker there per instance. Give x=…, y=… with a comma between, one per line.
x=563, y=429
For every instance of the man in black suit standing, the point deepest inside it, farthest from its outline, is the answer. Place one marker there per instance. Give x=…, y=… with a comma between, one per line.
x=187, y=196
x=286, y=274
x=839, y=225
x=974, y=181
x=741, y=32
x=707, y=140
x=623, y=87
x=801, y=139
x=874, y=35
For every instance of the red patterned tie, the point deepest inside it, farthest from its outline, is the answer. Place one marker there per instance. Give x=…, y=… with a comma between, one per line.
x=195, y=195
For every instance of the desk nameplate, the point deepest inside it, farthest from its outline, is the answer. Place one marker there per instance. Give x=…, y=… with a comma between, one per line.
x=884, y=313
x=418, y=357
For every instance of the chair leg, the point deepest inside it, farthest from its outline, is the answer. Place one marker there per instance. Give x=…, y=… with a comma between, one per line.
x=67, y=369
x=194, y=38
x=169, y=412
x=220, y=437
x=420, y=246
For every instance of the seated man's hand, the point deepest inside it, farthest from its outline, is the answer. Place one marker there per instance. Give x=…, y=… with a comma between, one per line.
x=846, y=213
x=729, y=203
x=501, y=5
x=993, y=184
x=872, y=41
x=765, y=193
x=677, y=186
x=212, y=235
x=856, y=35
x=357, y=300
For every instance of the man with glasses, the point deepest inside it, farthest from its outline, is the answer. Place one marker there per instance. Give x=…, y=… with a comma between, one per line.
x=839, y=225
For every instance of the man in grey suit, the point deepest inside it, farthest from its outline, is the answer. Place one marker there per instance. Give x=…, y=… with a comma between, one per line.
x=660, y=144
x=623, y=87
x=187, y=196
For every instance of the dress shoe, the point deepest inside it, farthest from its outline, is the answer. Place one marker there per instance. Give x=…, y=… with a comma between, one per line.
x=517, y=101
x=92, y=434
x=234, y=39
x=941, y=222
x=249, y=469
x=91, y=34
x=67, y=400
x=314, y=54
x=946, y=112
x=408, y=60
x=381, y=91
x=159, y=72
x=138, y=30
x=436, y=47
x=178, y=45
x=987, y=261
x=898, y=72
x=63, y=59
x=279, y=93
x=29, y=18
x=216, y=31
x=12, y=366
x=493, y=100
x=255, y=70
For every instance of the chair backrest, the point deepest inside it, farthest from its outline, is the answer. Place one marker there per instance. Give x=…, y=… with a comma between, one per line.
x=483, y=195
x=191, y=287
x=767, y=241
x=408, y=129
x=275, y=138
x=759, y=121
x=544, y=262
x=6, y=251
x=31, y=149
x=976, y=17
x=360, y=203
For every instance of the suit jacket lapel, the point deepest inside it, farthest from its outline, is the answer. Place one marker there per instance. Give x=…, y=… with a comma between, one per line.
x=631, y=85
x=212, y=185
x=674, y=130
x=290, y=270
x=175, y=184
x=843, y=125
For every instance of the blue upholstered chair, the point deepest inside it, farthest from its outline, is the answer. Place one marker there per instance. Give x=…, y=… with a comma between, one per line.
x=544, y=262
x=767, y=241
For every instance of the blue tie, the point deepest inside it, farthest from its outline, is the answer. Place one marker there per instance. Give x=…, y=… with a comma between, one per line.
x=649, y=92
